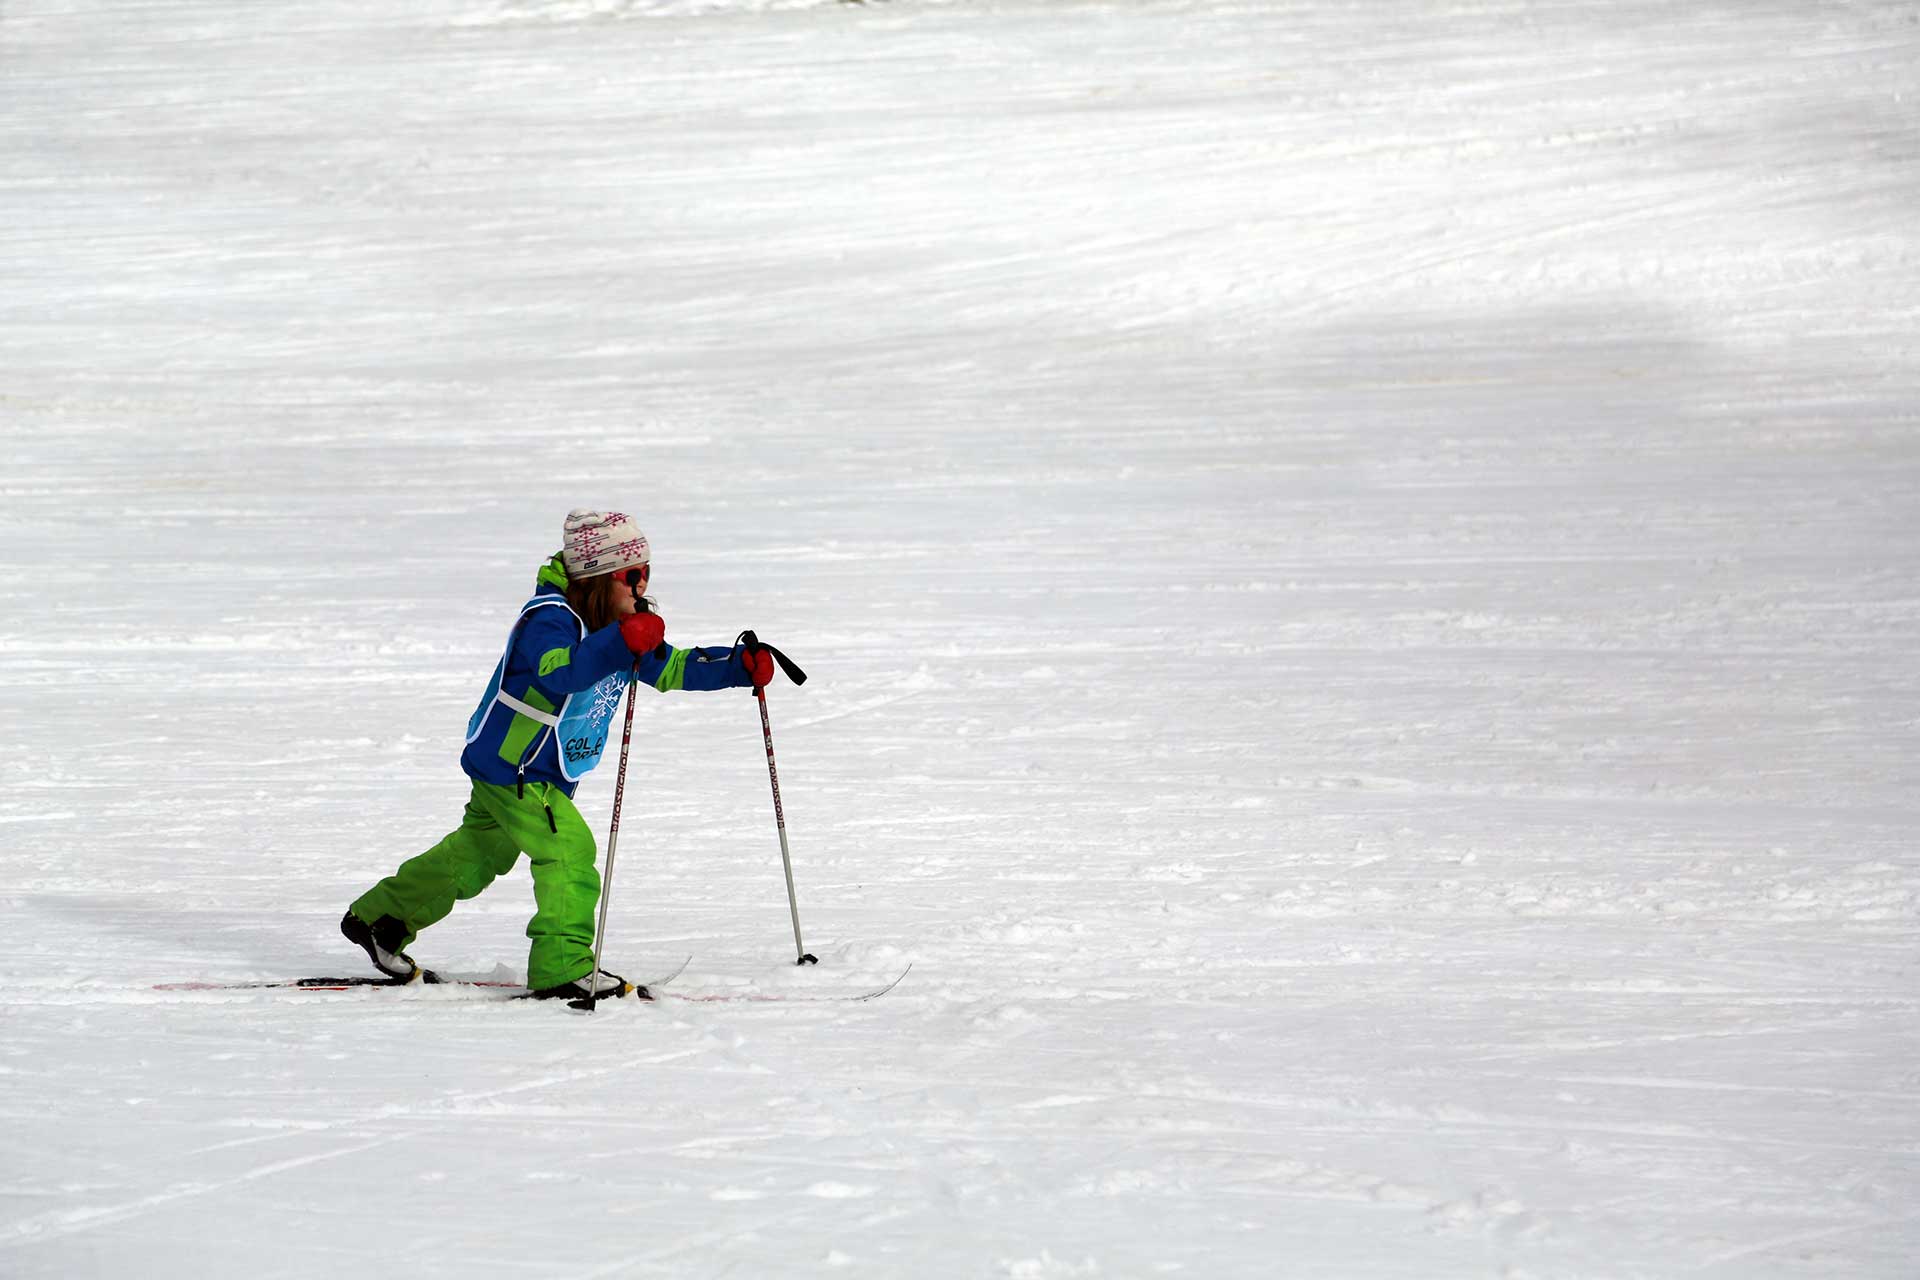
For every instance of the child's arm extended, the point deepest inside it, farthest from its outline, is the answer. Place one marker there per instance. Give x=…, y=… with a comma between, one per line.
x=713, y=667
x=568, y=666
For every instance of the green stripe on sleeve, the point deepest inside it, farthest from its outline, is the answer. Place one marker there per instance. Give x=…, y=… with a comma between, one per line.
x=674, y=674
x=554, y=659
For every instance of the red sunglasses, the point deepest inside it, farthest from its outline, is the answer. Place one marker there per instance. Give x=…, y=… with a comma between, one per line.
x=635, y=576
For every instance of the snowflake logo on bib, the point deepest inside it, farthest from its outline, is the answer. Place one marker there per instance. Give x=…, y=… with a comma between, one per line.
x=583, y=729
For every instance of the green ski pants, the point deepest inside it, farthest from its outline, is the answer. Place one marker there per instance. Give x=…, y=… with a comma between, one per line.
x=496, y=828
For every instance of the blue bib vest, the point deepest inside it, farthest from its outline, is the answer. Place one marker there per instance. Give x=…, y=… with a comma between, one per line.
x=525, y=724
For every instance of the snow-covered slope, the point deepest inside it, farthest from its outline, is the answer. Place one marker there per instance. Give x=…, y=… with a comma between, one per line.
x=1358, y=564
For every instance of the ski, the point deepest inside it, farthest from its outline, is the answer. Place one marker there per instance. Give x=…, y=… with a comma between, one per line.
x=518, y=991
x=425, y=978
x=773, y=997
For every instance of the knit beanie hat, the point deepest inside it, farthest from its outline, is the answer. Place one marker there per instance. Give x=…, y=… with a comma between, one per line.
x=600, y=542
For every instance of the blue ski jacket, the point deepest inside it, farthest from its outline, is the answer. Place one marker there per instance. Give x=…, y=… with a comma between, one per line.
x=547, y=712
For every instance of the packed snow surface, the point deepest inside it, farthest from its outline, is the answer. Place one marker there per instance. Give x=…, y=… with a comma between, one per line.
x=1360, y=566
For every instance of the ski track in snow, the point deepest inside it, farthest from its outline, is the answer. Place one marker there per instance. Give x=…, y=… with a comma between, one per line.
x=1358, y=565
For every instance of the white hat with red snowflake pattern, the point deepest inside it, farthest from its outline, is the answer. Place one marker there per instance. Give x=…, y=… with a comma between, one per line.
x=600, y=542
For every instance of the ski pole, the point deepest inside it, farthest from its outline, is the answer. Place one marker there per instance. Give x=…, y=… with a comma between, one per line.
x=591, y=1000
x=780, y=822
x=795, y=674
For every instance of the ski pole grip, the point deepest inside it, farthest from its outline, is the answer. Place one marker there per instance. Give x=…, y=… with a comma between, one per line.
x=788, y=665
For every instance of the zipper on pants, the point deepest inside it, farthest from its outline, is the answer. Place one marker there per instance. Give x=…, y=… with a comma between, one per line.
x=520, y=782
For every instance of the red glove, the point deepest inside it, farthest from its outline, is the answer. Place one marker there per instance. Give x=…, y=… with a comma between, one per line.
x=643, y=632
x=759, y=665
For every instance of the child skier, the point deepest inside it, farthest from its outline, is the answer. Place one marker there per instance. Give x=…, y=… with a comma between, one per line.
x=541, y=725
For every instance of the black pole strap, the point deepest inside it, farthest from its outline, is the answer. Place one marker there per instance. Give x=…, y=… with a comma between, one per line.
x=787, y=665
